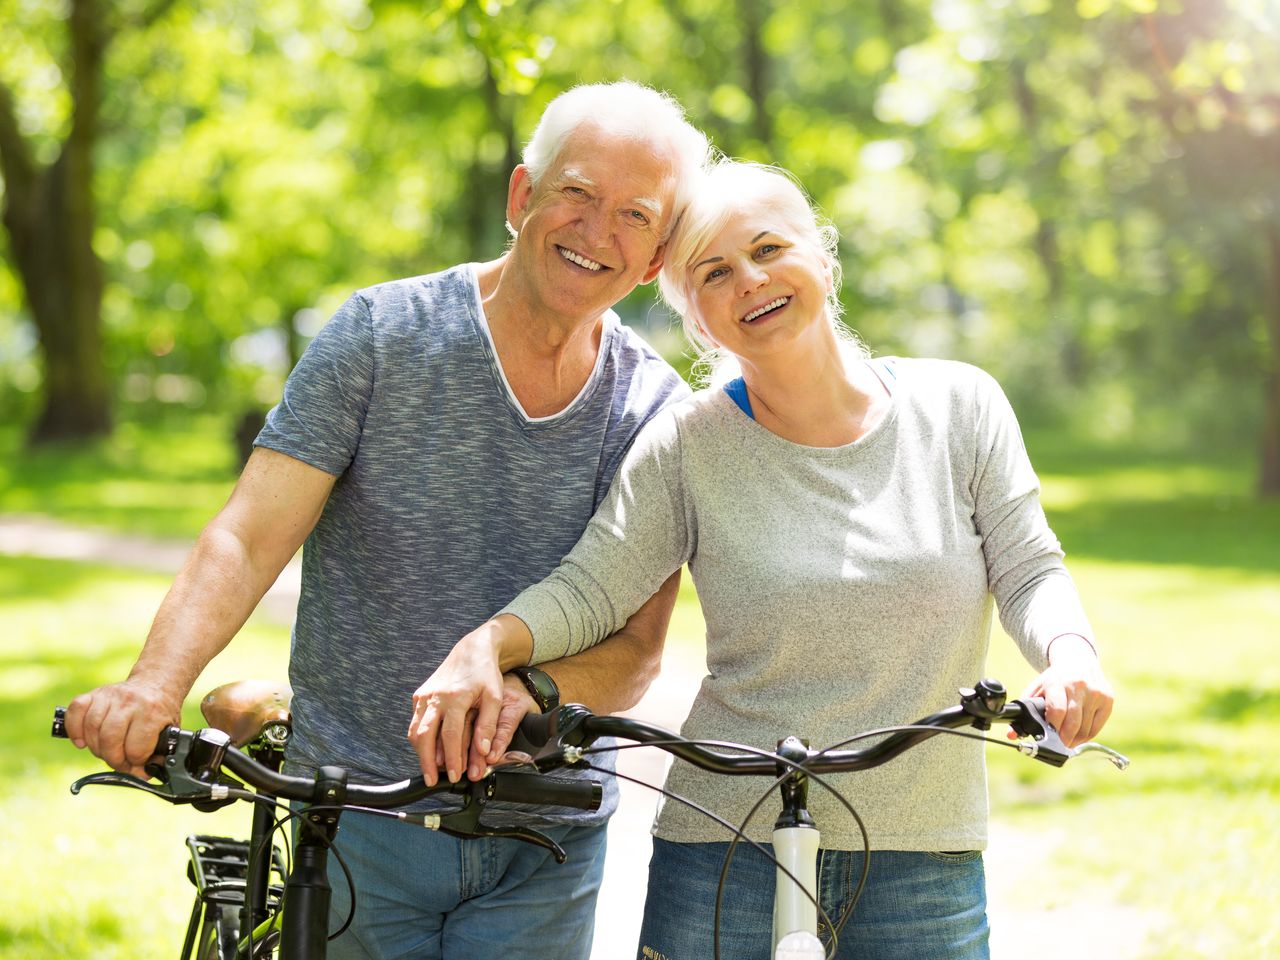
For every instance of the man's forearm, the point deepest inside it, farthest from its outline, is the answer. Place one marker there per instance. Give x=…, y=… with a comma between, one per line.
x=213, y=595
x=614, y=674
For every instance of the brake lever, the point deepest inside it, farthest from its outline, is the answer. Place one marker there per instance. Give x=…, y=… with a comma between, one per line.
x=464, y=823
x=110, y=778
x=1045, y=745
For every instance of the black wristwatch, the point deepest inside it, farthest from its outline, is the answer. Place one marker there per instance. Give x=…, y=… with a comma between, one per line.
x=541, y=687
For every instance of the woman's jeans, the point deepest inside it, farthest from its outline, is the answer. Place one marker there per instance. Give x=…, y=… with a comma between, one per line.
x=916, y=906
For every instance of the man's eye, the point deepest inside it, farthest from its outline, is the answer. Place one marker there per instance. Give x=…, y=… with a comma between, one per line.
x=575, y=192
x=640, y=217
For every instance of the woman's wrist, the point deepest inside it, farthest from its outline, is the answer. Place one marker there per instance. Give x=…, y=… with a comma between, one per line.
x=509, y=639
x=1070, y=646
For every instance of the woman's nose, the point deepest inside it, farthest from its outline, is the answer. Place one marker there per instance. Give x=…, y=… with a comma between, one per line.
x=751, y=277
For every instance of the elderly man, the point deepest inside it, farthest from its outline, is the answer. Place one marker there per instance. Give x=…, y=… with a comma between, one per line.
x=440, y=446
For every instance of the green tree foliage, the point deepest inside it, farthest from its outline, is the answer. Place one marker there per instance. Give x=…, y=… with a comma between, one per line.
x=1082, y=198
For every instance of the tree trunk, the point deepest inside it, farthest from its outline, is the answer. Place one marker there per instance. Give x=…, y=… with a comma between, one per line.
x=49, y=213
x=487, y=186
x=1269, y=475
x=756, y=58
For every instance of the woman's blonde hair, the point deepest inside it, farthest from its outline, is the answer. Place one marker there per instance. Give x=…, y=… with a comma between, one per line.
x=721, y=194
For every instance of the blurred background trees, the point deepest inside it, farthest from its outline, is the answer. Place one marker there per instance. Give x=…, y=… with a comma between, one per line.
x=1083, y=198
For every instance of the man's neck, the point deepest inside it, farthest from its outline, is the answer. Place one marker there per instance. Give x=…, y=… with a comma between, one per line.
x=546, y=357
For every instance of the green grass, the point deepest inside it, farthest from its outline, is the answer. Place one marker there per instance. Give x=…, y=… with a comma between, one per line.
x=1178, y=564
x=1180, y=570
x=99, y=875
x=164, y=482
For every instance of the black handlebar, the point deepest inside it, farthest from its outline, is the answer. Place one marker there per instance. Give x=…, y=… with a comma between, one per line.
x=190, y=762
x=557, y=739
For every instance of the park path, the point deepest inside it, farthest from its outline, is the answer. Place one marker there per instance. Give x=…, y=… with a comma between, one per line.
x=1019, y=863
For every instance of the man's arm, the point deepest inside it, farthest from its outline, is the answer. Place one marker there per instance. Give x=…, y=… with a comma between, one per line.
x=610, y=676
x=237, y=557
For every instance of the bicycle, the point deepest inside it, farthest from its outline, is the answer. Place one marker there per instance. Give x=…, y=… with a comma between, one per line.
x=564, y=738
x=232, y=878
x=252, y=898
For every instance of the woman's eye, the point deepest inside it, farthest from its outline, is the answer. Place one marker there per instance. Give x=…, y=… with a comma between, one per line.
x=714, y=274
x=767, y=248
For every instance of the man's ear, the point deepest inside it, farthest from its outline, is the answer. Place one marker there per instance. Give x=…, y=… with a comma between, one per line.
x=519, y=192
x=655, y=265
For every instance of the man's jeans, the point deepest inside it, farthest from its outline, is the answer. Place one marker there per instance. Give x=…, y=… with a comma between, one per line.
x=916, y=906
x=426, y=895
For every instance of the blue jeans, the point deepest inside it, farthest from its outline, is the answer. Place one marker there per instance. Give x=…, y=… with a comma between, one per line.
x=427, y=896
x=916, y=906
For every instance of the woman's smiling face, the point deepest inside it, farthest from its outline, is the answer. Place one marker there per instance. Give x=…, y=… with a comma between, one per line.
x=761, y=281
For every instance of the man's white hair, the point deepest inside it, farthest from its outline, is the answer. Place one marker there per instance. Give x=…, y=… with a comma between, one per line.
x=629, y=109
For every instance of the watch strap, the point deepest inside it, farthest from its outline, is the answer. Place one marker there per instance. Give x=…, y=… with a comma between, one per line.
x=541, y=687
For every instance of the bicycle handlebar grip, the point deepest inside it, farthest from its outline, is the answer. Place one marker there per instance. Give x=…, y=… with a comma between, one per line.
x=552, y=791
x=59, y=723
x=534, y=732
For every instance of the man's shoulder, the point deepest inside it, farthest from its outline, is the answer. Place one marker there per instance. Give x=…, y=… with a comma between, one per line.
x=428, y=295
x=636, y=359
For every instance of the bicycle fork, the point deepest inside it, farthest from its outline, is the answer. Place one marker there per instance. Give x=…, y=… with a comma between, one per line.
x=795, y=844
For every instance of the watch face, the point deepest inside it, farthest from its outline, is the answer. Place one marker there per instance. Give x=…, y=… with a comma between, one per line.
x=541, y=687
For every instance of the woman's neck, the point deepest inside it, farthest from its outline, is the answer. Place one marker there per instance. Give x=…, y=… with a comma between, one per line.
x=826, y=397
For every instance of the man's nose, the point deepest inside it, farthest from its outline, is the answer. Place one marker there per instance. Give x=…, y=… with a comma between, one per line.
x=597, y=227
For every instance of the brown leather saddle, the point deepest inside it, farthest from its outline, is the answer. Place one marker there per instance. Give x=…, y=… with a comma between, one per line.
x=247, y=709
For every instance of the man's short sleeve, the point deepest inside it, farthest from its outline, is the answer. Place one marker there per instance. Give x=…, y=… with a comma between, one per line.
x=321, y=415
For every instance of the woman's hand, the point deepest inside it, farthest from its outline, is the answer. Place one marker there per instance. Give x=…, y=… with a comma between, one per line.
x=1078, y=697
x=466, y=690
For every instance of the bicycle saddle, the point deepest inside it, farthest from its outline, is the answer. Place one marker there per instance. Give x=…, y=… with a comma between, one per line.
x=246, y=708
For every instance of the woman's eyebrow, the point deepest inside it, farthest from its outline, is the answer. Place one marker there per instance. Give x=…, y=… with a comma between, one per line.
x=720, y=259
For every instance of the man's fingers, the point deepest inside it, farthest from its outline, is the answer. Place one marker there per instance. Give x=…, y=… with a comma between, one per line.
x=482, y=734
x=508, y=719
x=94, y=717
x=74, y=720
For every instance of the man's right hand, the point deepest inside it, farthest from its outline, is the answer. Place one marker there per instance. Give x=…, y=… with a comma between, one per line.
x=121, y=722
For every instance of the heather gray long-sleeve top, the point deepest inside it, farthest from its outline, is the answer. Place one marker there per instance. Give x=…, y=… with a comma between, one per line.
x=843, y=589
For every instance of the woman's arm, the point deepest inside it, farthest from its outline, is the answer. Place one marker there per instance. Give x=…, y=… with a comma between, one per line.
x=1037, y=599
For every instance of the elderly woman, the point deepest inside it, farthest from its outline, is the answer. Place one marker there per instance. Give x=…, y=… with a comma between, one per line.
x=848, y=523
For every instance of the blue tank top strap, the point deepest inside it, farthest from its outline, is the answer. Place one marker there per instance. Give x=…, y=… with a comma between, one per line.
x=737, y=391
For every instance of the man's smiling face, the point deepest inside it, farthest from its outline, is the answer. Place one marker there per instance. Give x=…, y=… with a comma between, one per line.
x=592, y=228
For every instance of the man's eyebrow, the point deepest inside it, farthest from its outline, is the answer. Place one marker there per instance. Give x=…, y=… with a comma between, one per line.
x=651, y=204
x=572, y=173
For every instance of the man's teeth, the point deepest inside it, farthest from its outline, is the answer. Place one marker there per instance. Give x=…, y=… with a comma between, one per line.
x=580, y=261
x=761, y=311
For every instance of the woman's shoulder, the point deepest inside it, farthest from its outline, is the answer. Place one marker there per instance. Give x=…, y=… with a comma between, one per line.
x=702, y=414
x=932, y=376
